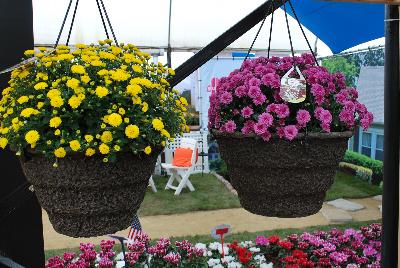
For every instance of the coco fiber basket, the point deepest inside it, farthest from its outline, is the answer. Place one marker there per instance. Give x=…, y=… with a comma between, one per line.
x=281, y=178
x=85, y=197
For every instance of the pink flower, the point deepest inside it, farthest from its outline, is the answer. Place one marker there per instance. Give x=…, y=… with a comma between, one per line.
x=260, y=99
x=325, y=117
x=318, y=92
x=230, y=126
x=282, y=110
x=248, y=127
x=290, y=132
x=266, y=119
x=247, y=112
x=226, y=98
x=254, y=91
x=173, y=258
x=367, y=120
x=266, y=136
x=254, y=82
x=303, y=117
x=260, y=128
x=68, y=256
x=240, y=91
x=261, y=241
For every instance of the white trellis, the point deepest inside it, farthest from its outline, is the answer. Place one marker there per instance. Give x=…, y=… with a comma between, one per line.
x=202, y=146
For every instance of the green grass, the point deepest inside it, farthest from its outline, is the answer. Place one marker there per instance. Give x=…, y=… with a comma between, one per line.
x=209, y=194
x=243, y=236
x=347, y=186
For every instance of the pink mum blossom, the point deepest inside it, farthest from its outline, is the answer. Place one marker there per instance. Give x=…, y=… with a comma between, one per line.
x=282, y=110
x=254, y=91
x=318, y=92
x=248, y=127
x=303, y=117
x=290, y=132
x=266, y=118
x=247, y=112
x=230, y=126
x=226, y=98
x=260, y=128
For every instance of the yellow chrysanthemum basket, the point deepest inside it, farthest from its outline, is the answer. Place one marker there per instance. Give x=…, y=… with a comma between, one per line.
x=88, y=123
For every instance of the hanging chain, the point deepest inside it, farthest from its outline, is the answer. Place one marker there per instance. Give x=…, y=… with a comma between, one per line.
x=101, y=9
x=288, y=29
x=304, y=34
x=270, y=29
x=255, y=38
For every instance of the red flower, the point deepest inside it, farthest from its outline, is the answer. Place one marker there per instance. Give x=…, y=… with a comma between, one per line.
x=244, y=255
x=286, y=244
x=299, y=254
x=273, y=239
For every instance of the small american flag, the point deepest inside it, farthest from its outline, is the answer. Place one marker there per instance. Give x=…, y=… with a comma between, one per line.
x=135, y=230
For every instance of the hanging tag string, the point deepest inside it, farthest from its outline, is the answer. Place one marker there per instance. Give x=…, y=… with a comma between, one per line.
x=304, y=34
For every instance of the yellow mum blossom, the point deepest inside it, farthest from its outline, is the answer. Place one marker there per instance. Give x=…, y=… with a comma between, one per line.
x=117, y=148
x=55, y=122
x=107, y=55
x=67, y=57
x=90, y=151
x=132, y=131
x=40, y=105
x=81, y=46
x=73, y=83
x=3, y=142
x=183, y=101
x=42, y=76
x=40, y=85
x=121, y=111
x=147, y=150
x=27, y=112
x=158, y=124
x=145, y=107
x=60, y=152
x=85, y=79
x=101, y=91
x=104, y=149
x=102, y=72
x=134, y=89
x=126, y=120
x=53, y=93
x=57, y=132
x=97, y=63
x=78, y=69
x=165, y=133
x=75, y=145
x=119, y=75
x=114, y=119
x=74, y=102
x=32, y=136
x=106, y=137
x=29, y=52
x=88, y=138
x=116, y=50
x=23, y=99
x=171, y=71
x=23, y=74
x=56, y=102
x=137, y=69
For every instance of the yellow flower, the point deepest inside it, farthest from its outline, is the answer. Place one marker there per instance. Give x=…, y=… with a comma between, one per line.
x=53, y=93
x=41, y=85
x=114, y=119
x=157, y=124
x=27, y=112
x=134, y=89
x=57, y=132
x=147, y=150
x=121, y=111
x=132, y=131
x=23, y=99
x=55, y=122
x=96, y=63
x=29, y=52
x=183, y=101
x=145, y=107
x=75, y=145
x=32, y=136
x=78, y=69
x=104, y=149
x=74, y=102
x=171, y=71
x=73, y=83
x=3, y=142
x=101, y=91
x=85, y=79
x=106, y=137
x=102, y=72
x=40, y=105
x=119, y=75
x=165, y=133
x=126, y=120
x=57, y=102
x=137, y=69
x=60, y=152
x=88, y=138
x=90, y=151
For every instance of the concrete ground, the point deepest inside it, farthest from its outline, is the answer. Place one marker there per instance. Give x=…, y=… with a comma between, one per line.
x=201, y=223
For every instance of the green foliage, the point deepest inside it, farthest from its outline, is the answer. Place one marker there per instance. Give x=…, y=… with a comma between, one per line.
x=361, y=160
x=360, y=172
x=341, y=64
x=219, y=166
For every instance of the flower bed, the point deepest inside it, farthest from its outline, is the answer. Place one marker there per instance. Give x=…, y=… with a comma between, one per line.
x=349, y=248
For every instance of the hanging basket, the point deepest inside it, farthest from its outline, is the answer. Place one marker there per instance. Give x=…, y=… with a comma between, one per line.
x=85, y=197
x=282, y=178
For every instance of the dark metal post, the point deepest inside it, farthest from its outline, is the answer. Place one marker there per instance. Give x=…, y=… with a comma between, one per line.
x=169, y=49
x=225, y=40
x=392, y=135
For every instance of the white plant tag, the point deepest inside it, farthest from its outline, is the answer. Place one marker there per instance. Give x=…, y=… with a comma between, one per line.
x=293, y=89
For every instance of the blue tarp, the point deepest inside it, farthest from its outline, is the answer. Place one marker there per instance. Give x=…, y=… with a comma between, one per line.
x=341, y=25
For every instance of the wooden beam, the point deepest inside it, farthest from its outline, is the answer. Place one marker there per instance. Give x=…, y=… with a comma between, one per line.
x=388, y=2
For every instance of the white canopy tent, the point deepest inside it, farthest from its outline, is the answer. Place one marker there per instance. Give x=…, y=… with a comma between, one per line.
x=194, y=24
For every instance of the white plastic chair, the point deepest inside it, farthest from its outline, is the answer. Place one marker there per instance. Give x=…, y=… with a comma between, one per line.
x=182, y=174
x=152, y=184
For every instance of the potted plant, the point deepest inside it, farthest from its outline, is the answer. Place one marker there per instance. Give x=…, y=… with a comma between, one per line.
x=89, y=124
x=192, y=118
x=282, y=155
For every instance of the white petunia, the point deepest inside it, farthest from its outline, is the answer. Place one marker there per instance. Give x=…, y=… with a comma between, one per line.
x=213, y=262
x=254, y=249
x=234, y=265
x=228, y=259
x=265, y=265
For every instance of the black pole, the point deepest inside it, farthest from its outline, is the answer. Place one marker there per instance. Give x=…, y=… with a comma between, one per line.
x=391, y=144
x=169, y=49
x=225, y=40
